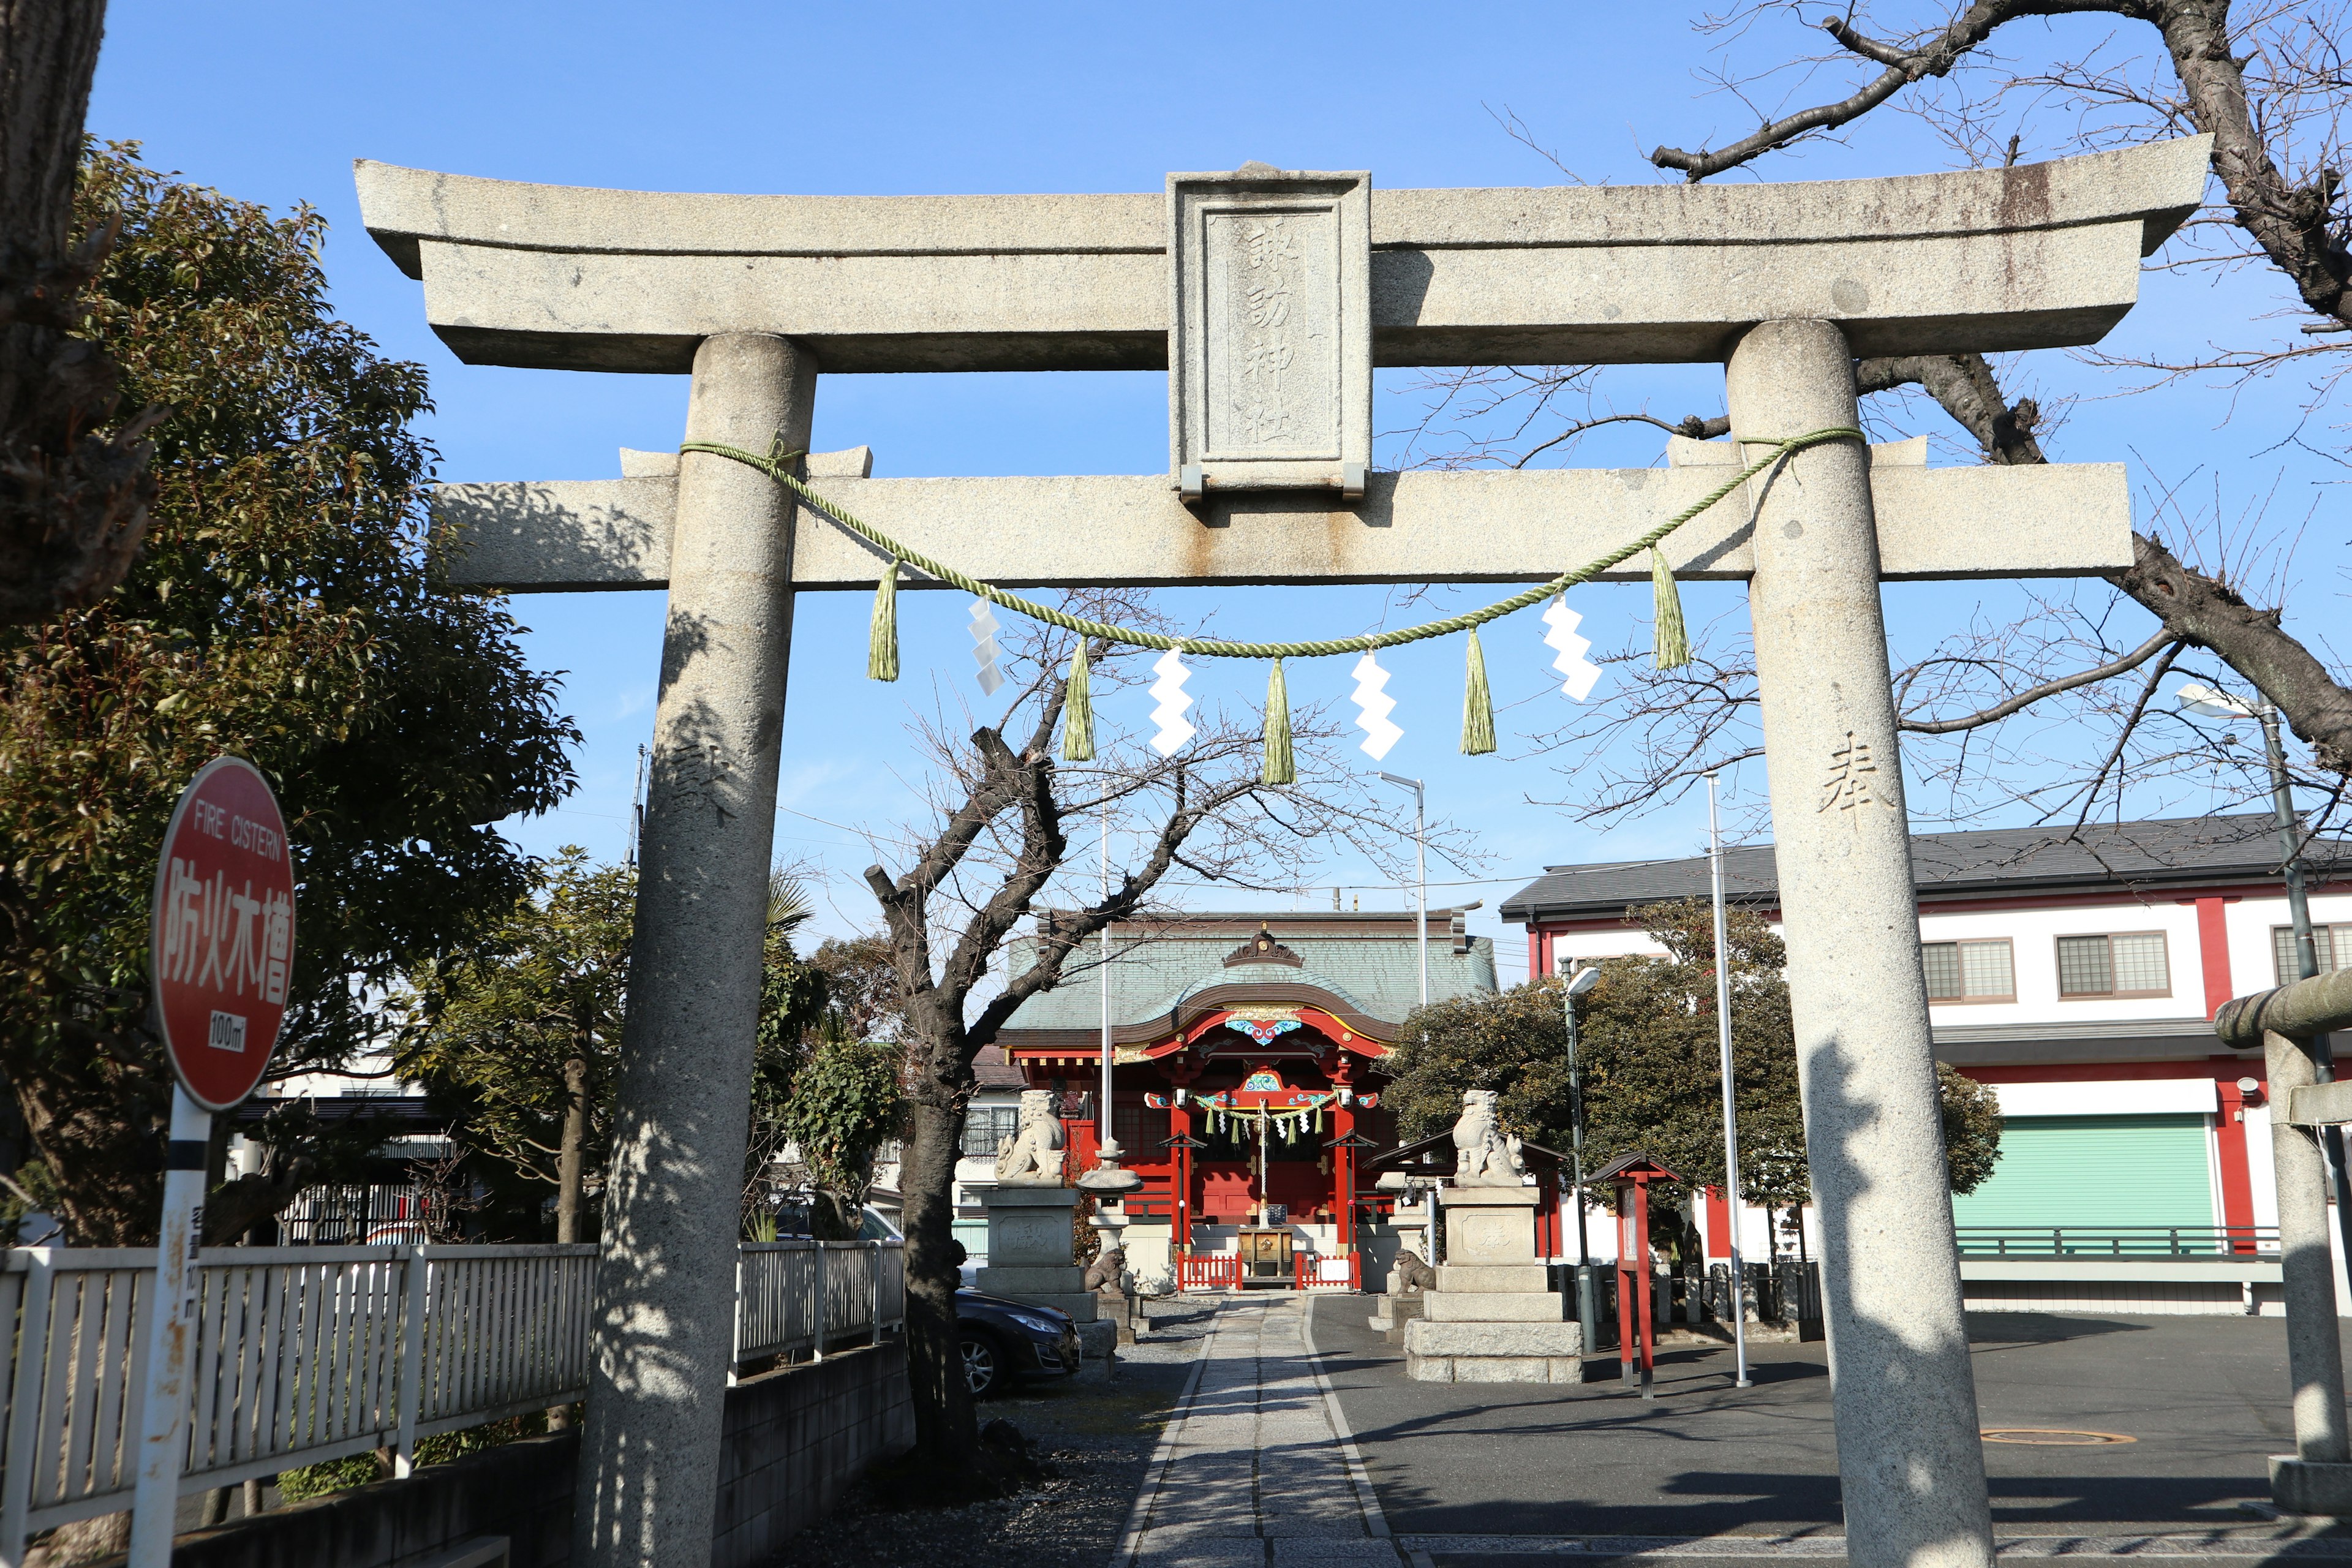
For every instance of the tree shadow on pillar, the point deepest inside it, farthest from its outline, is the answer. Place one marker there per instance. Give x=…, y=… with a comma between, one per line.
x=1899, y=1349
x=666, y=1294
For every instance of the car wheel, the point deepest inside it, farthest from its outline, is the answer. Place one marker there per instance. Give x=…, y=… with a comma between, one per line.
x=984, y=1365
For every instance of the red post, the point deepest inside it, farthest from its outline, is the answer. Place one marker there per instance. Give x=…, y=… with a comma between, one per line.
x=1343, y=1157
x=1628, y=1289
x=1180, y=1168
x=1637, y=1318
x=1641, y=1232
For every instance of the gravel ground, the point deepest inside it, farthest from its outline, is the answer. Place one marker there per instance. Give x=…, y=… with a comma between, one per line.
x=1098, y=1436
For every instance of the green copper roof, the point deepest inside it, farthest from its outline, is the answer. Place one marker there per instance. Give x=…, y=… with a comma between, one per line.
x=1370, y=962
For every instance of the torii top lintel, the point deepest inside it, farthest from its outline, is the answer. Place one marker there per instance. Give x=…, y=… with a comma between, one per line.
x=552, y=277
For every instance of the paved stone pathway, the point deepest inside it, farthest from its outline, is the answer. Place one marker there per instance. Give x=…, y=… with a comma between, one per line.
x=1252, y=1471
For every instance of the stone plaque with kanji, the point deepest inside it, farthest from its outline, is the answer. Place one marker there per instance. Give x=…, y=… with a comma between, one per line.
x=1269, y=352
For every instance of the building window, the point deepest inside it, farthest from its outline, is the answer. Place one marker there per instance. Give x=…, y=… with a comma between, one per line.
x=984, y=1125
x=1970, y=970
x=2130, y=964
x=2325, y=947
x=1141, y=1131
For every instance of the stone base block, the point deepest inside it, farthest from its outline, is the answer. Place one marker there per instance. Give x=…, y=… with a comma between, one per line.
x=1493, y=1369
x=1512, y=1277
x=1066, y=1279
x=1490, y=1225
x=1079, y=1304
x=1496, y=1307
x=1098, y=1339
x=1029, y=1195
x=1391, y=1313
x=2301, y=1486
x=1536, y=1340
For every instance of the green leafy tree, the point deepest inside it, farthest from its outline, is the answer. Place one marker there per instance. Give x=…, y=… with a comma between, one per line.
x=1652, y=1064
x=286, y=609
x=843, y=1103
x=860, y=985
x=1971, y=1128
x=794, y=995
x=520, y=1039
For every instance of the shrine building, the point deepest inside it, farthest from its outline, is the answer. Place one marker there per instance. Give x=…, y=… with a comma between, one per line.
x=1249, y=1056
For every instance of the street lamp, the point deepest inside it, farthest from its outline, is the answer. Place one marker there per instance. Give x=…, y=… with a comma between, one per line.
x=2207, y=703
x=1730, y=1122
x=1420, y=876
x=1588, y=1310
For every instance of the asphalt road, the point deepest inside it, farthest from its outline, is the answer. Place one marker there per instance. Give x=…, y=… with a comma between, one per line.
x=2202, y=1399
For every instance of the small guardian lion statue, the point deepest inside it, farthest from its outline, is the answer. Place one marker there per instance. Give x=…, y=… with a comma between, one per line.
x=1413, y=1276
x=1033, y=1155
x=1484, y=1155
x=1107, y=1272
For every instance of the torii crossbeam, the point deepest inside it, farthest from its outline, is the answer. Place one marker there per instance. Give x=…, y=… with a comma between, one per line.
x=1783, y=284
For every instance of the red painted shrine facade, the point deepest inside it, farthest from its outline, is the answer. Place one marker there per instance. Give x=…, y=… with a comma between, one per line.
x=1248, y=1078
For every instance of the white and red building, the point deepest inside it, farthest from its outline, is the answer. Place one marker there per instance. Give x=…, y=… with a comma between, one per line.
x=2078, y=975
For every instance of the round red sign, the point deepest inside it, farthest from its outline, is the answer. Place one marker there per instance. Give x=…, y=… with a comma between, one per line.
x=222, y=936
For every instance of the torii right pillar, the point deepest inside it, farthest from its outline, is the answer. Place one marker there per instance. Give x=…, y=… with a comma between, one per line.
x=1909, y=1453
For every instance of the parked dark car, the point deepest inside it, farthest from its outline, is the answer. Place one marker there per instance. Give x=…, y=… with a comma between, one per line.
x=1002, y=1341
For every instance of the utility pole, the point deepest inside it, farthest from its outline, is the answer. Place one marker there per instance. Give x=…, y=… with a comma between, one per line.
x=2306, y=951
x=1575, y=983
x=1102, y=1115
x=1419, y=875
x=1730, y=1121
x=2205, y=701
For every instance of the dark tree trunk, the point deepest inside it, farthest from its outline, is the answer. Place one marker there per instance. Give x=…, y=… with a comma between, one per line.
x=73, y=501
x=947, y=1433
x=571, y=1155
x=95, y=1123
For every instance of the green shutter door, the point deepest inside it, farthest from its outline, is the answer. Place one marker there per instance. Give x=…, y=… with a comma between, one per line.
x=2095, y=1173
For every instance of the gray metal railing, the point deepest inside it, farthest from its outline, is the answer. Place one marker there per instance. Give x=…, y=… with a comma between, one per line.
x=2139, y=1241
x=309, y=1353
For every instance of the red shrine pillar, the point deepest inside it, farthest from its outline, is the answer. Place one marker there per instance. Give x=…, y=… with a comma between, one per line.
x=1343, y=1154
x=1179, y=1168
x=1079, y=1137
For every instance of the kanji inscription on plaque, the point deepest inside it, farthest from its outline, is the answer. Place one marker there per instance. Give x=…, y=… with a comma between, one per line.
x=1270, y=350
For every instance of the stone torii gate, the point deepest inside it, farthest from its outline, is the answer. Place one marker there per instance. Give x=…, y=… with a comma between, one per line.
x=1269, y=482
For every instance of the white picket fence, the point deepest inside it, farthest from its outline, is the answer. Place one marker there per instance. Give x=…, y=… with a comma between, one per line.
x=310, y=1354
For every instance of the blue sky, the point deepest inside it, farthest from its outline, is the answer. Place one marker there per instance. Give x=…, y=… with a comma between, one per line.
x=270, y=103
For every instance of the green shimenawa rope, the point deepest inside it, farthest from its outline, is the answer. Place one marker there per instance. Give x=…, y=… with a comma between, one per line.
x=777, y=466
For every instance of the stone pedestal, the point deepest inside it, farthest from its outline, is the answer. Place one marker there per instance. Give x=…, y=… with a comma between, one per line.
x=1119, y=1309
x=1392, y=1313
x=1029, y=1249
x=1493, y=1317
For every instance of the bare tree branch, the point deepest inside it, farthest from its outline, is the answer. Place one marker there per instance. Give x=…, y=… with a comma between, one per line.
x=1904, y=67
x=2031, y=694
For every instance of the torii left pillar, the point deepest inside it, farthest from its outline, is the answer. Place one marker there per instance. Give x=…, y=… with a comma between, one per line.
x=665, y=1318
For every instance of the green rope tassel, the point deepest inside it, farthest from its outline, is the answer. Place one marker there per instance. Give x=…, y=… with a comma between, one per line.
x=1077, y=712
x=882, y=637
x=1673, y=650
x=1278, y=768
x=1477, y=705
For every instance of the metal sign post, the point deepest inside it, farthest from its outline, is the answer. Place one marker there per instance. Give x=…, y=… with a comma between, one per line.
x=221, y=953
x=1732, y=1204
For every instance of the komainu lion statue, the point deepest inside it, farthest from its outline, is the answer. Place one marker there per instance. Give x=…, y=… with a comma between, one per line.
x=1033, y=1155
x=1413, y=1276
x=1483, y=1156
x=1107, y=1272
